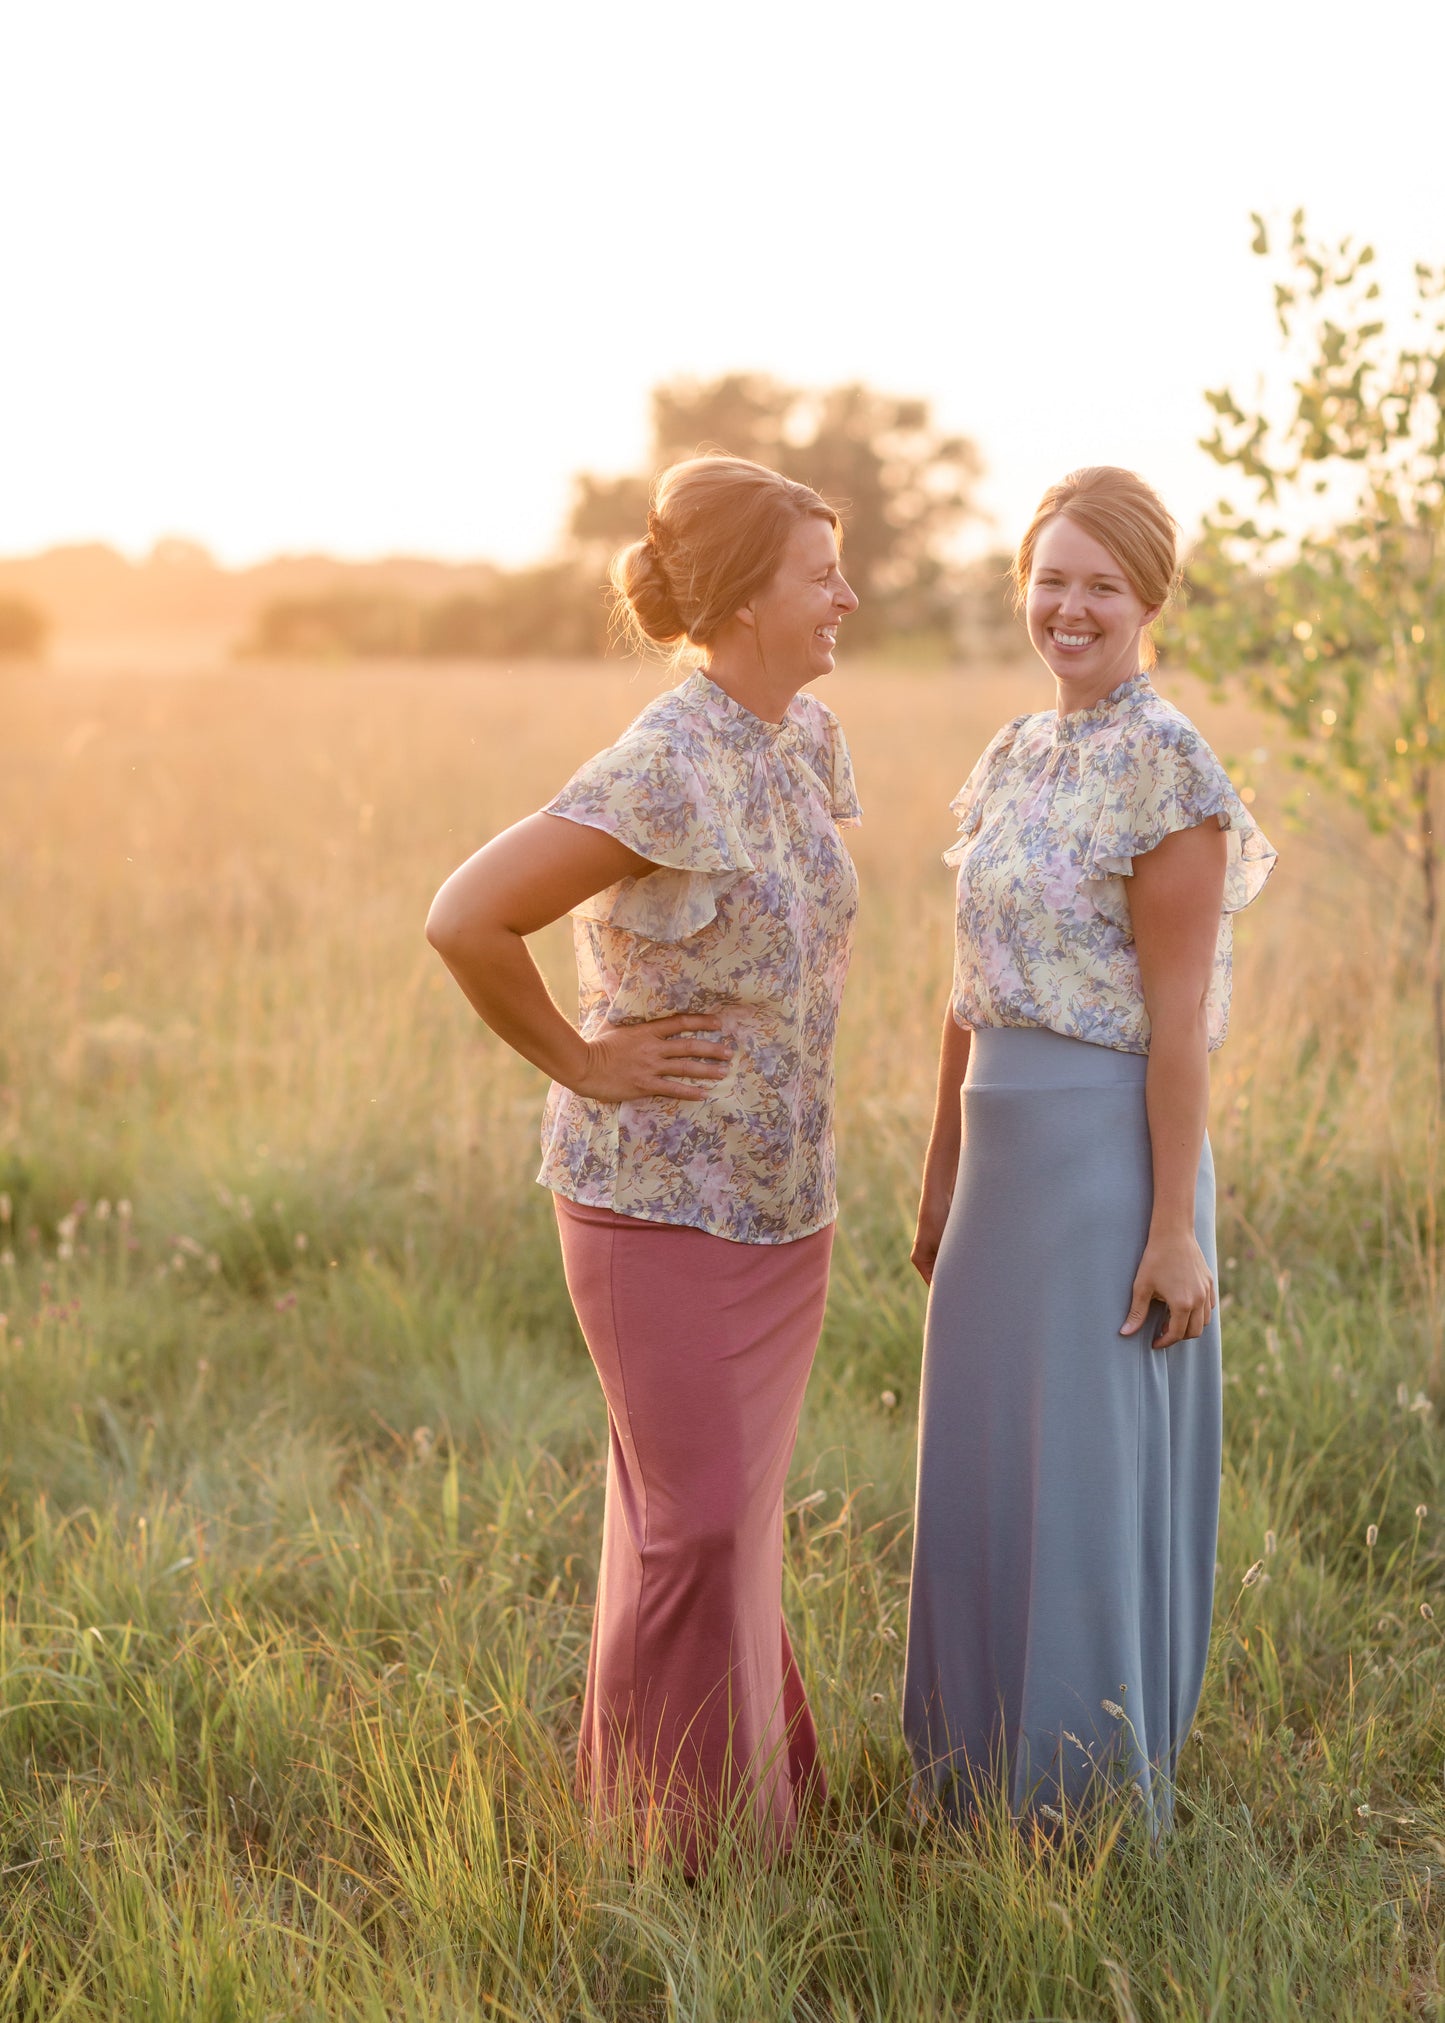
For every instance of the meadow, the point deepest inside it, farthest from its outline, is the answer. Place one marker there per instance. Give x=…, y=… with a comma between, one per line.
x=301, y=1456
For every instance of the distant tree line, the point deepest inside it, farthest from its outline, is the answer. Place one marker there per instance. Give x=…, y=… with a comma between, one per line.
x=555, y=608
x=23, y=629
x=904, y=487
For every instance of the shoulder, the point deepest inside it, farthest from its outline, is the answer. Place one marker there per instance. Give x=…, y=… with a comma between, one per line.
x=670, y=722
x=823, y=749
x=1018, y=736
x=1010, y=745
x=818, y=728
x=1157, y=727
x=665, y=738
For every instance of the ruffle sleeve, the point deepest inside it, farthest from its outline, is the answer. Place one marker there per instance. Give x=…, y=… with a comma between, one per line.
x=842, y=788
x=1163, y=779
x=967, y=803
x=653, y=797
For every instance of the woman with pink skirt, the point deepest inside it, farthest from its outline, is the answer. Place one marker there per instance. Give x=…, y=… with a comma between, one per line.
x=688, y=1132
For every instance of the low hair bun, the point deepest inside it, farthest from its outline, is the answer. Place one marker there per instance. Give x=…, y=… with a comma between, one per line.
x=640, y=580
x=716, y=530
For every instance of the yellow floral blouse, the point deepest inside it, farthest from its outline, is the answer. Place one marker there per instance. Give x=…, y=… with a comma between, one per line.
x=750, y=913
x=1051, y=820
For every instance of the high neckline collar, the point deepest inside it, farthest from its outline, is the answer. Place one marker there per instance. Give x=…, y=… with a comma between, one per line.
x=1079, y=722
x=727, y=712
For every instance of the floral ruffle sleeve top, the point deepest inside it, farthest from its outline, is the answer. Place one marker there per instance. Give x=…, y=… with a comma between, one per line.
x=749, y=912
x=1051, y=820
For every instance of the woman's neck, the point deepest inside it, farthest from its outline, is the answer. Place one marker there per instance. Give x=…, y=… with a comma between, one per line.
x=737, y=669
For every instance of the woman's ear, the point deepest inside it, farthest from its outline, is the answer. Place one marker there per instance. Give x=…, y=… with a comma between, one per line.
x=745, y=615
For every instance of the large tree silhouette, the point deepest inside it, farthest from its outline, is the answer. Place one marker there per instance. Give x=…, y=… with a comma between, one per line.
x=903, y=485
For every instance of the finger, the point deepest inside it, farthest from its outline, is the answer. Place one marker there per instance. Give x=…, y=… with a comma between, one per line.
x=1169, y=1333
x=923, y=1262
x=686, y=1022
x=1138, y=1308
x=699, y=1050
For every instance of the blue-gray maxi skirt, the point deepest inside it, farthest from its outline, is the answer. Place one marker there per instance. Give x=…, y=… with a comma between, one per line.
x=1068, y=1478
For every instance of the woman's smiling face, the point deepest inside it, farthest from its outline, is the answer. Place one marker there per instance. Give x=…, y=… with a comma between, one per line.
x=798, y=614
x=1084, y=616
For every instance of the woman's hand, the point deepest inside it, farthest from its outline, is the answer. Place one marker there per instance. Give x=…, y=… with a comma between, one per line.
x=932, y=1216
x=655, y=1057
x=1174, y=1271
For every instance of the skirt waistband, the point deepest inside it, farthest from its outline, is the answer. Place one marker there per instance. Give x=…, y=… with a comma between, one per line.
x=1033, y=1057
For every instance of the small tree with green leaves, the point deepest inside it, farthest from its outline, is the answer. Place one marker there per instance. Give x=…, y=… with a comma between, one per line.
x=1327, y=600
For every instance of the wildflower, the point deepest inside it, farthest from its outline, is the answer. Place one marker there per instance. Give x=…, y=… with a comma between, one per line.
x=65, y=1230
x=1112, y=1707
x=123, y=1210
x=1372, y=1533
x=7, y=1259
x=202, y=1365
x=102, y=1210
x=424, y=1441
x=888, y=1400
x=1363, y=1811
x=1253, y=1575
x=64, y=1251
x=301, y=1239
x=1427, y=1612
x=285, y=1303
x=1271, y=1545
x=1422, y=1511
x=1052, y=1812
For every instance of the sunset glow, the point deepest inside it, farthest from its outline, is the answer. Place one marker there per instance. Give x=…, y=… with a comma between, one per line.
x=378, y=278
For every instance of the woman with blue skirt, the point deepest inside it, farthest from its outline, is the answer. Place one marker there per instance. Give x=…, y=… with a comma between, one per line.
x=1069, y=1447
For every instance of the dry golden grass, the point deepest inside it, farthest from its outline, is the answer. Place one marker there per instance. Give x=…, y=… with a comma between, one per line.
x=300, y=1458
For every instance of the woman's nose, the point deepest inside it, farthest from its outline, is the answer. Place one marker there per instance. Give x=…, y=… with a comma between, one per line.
x=844, y=597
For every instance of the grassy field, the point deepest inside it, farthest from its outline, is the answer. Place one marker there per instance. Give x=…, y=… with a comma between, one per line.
x=301, y=1457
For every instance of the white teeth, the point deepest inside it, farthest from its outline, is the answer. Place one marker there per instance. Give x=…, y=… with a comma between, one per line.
x=1074, y=638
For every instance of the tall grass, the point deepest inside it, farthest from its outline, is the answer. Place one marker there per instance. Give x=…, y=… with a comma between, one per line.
x=301, y=1457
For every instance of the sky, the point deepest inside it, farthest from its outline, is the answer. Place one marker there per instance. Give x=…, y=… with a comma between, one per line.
x=372, y=278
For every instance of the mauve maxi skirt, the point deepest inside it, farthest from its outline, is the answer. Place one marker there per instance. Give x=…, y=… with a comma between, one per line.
x=695, y=1722
x=1068, y=1477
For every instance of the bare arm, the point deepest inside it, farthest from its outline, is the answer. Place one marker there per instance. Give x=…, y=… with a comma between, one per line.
x=940, y=1165
x=1175, y=899
x=523, y=879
